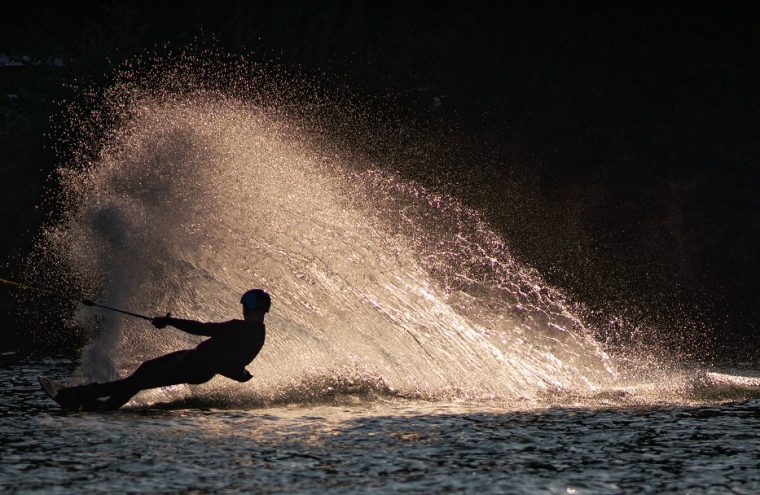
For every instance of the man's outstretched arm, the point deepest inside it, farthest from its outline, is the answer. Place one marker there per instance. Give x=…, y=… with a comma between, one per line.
x=190, y=326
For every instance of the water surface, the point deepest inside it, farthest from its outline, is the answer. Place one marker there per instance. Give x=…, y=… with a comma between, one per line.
x=382, y=446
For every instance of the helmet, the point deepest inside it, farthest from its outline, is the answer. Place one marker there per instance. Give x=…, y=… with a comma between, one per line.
x=256, y=299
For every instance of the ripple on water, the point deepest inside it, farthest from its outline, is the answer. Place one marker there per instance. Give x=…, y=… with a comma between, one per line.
x=386, y=446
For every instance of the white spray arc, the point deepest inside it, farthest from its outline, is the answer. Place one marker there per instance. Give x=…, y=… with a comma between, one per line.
x=375, y=281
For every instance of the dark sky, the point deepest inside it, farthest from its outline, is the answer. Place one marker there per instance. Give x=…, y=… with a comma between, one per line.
x=634, y=129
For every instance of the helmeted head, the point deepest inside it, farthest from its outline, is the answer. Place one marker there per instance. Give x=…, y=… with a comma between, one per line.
x=256, y=300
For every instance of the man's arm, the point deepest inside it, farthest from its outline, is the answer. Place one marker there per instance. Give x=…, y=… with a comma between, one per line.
x=191, y=326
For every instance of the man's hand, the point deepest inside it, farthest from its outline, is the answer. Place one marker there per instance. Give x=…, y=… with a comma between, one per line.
x=242, y=375
x=160, y=321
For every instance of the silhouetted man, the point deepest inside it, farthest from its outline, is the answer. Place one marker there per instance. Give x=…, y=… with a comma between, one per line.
x=233, y=345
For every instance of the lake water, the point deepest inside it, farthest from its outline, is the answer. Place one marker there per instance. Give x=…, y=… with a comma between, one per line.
x=354, y=445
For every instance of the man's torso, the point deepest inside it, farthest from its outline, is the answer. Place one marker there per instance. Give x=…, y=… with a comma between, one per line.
x=236, y=345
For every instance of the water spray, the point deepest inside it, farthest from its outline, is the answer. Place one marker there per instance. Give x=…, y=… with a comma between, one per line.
x=380, y=280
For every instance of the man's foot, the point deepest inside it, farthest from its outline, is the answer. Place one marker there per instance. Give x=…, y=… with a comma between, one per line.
x=81, y=399
x=67, y=397
x=95, y=405
x=77, y=395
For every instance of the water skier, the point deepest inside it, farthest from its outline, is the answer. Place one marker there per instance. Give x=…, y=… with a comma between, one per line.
x=233, y=345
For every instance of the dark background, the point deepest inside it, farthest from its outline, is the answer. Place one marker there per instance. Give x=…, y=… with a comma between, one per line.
x=616, y=147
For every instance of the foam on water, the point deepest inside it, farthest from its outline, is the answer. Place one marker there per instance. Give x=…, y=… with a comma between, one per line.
x=379, y=286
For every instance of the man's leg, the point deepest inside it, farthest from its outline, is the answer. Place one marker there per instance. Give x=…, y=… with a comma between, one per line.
x=171, y=369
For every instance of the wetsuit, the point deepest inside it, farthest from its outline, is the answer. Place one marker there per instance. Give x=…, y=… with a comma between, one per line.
x=233, y=344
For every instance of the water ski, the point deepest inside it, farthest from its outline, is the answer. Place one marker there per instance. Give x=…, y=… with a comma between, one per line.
x=52, y=388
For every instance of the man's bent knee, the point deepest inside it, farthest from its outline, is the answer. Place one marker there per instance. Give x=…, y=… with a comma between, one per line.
x=199, y=376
